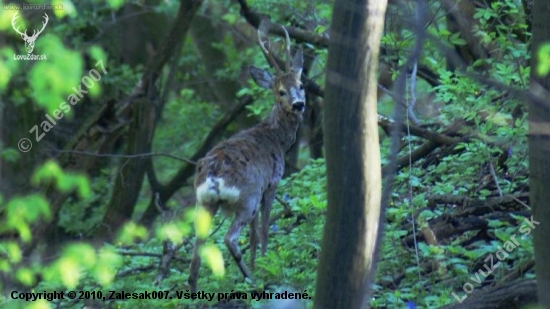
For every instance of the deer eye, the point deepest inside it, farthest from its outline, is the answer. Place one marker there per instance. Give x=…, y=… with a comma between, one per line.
x=301, y=86
x=282, y=93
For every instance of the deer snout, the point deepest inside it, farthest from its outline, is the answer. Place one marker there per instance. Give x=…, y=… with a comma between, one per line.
x=298, y=99
x=298, y=106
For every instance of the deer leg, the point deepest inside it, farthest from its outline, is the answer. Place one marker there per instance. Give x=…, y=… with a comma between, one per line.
x=267, y=202
x=242, y=218
x=196, y=259
x=253, y=240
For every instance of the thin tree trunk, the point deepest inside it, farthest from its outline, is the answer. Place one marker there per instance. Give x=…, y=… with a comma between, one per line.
x=350, y=238
x=539, y=152
x=129, y=181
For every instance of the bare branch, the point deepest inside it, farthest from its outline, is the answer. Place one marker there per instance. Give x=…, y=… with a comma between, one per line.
x=134, y=156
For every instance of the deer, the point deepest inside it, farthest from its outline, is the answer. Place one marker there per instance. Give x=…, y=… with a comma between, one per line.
x=29, y=40
x=243, y=172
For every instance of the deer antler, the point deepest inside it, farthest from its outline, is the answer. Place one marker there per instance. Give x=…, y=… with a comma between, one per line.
x=287, y=48
x=267, y=52
x=15, y=16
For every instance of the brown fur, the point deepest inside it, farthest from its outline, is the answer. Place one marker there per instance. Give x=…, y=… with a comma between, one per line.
x=242, y=172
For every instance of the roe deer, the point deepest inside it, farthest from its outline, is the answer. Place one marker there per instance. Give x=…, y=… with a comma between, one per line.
x=244, y=171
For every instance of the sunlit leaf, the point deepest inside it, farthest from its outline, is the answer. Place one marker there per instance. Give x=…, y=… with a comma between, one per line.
x=38, y=304
x=25, y=276
x=115, y=4
x=83, y=186
x=68, y=8
x=98, y=54
x=53, y=80
x=203, y=221
x=5, y=266
x=12, y=250
x=5, y=18
x=69, y=271
x=65, y=182
x=83, y=253
x=171, y=232
x=543, y=55
x=131, y=232
x=22, y=211
x=214, y=259
x=105, y=270
x=50, y=170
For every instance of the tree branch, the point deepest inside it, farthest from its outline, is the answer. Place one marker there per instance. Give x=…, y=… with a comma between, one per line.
x=254, y=19
x=132, y=156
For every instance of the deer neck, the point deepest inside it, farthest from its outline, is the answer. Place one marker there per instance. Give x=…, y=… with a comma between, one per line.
x=283, y=125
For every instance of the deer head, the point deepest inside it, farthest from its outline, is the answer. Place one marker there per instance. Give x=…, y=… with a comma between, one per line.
x=286, y=85
x=29, y=40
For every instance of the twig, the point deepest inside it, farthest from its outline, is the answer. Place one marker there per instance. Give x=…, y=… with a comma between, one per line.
x=168, y=254
x=140, y=155
x=300, y=35
x=139, y=254
x=286, y=212
x=495, y=179
x=134, y=270
x=412, y=102
x=218, y=228
x=520, y=202
x=285, y=204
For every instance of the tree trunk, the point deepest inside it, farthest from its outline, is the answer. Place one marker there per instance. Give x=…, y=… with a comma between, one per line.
x=539, y=151
x=350, y=239
x=129, y=180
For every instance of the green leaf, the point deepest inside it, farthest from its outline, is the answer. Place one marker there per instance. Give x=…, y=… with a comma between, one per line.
x=543, y=54
x=25, y=276
x=51, y=171
x=12, y=251
x=82, y=252
x=131, y=232
x=456, y=40
x=52, y=81
x=22, y=211
x=9, y=154
x=172, y=232
x=47, y=172
x=115, y=4
x=244, y=91
x=107, y=264
x=98, y=54
x=68, y=8
x=203, y=221
x=214, y=259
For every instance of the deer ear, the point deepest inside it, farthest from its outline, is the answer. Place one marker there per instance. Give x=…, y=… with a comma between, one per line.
x=298, y=62
x=262, y=77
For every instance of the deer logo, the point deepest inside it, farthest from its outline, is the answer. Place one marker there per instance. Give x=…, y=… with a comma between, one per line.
x=242, y=173
x=29, y=40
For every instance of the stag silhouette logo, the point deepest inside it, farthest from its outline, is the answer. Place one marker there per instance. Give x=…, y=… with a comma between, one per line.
x=29, y=40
